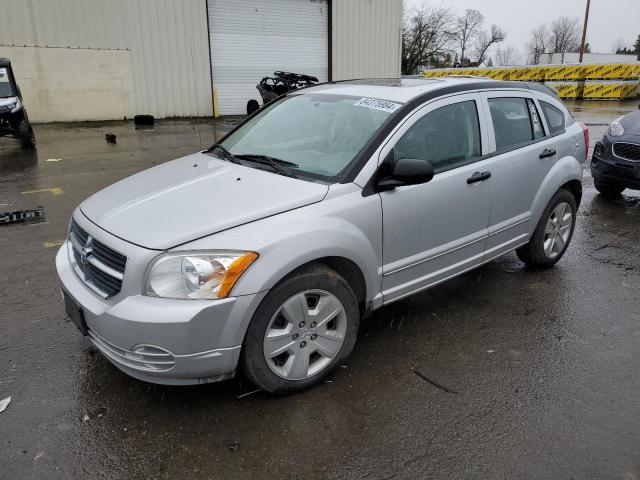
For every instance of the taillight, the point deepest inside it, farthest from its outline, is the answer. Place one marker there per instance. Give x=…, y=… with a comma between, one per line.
x=585, y=132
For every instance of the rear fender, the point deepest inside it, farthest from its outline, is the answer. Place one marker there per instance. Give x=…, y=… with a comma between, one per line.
x=565, y=170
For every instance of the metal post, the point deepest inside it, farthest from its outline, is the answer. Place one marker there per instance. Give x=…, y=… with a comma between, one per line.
x=584, y=30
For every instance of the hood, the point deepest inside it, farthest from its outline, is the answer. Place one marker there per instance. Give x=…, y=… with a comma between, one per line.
x=631, y=123
x=193, y=197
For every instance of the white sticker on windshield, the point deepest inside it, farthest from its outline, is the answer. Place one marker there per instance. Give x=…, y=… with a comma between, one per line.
x=384, y=105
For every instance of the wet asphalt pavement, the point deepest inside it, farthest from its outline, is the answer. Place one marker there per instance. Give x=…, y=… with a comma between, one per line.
x=535, y=374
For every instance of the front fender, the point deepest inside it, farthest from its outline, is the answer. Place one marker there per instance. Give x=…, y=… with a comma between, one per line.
x=565, y=170
x=345, y=225
x=280, y=258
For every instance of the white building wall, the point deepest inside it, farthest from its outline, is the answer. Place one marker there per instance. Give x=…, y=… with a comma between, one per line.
x=167, y=41
x=66, y=85
x=168, y=52
x=366, y=38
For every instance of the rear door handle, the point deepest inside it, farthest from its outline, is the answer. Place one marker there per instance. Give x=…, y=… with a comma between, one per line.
x=547, y=152
x=479, y=177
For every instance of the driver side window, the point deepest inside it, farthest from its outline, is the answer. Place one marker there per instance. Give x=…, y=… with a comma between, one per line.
x=447, y=137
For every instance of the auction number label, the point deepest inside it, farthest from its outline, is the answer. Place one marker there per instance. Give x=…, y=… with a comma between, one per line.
x=376, y=104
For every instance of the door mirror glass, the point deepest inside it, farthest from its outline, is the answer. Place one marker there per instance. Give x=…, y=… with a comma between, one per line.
x=407, y=171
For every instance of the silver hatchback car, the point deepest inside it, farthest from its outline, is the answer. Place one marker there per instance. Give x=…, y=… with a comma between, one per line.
x=265, y=251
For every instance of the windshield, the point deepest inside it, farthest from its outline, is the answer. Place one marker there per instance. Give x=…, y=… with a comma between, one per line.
x=6, y=90
x=319, y=133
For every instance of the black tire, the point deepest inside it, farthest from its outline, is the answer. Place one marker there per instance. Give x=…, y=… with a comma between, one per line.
x=26, y=135
x=253, y=362
x=252, y=106
x=144, y=120
x=608, y=190
x=533, y=254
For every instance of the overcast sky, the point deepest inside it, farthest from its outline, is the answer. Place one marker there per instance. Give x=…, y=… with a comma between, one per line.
x=608, y=19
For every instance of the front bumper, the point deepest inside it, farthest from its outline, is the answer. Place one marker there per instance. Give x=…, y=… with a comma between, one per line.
x=615, y=172
x=9, y=123
x=173, y=342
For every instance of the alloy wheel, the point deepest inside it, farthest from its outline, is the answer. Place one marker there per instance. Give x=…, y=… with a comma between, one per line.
x=557, y=230
x=305, y=334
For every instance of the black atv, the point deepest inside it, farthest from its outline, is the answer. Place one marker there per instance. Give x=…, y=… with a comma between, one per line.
x=271, y=88
x=13, y=116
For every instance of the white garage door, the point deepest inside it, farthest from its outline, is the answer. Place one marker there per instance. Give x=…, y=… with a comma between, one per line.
x=251, y=39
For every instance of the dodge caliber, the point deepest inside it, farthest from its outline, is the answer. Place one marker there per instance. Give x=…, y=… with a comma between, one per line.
x=263, y=253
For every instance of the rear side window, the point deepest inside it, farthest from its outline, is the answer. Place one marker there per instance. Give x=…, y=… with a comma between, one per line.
x=511, y=122
x=447, y=137
x=554, y=116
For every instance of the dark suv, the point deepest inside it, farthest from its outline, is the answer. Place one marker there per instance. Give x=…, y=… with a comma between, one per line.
x=615, y=164
x=14, y=121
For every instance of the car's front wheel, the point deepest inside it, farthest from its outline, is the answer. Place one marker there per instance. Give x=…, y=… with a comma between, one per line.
x=26, y=135
x=552, y=234
x=303, y=328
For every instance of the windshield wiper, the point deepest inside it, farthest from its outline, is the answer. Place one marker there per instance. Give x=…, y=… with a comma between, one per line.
x=226, y=154
x=275, y=163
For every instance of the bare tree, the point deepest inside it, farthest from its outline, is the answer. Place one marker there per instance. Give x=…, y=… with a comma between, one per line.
x=468, y=28
x=472, y=41
x=426, y=38
x=507, y=56
x=431, y=35
x=565, y=35
x=539, y=43
x=485, y=41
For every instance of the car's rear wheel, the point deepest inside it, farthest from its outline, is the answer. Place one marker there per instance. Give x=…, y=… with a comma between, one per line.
x=303, y=328
x=552, y=234
x=608, y=190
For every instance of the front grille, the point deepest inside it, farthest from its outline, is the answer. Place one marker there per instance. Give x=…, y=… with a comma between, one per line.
x=79, y=233
x=627, y=151
x=108, y=256
x=101, y=268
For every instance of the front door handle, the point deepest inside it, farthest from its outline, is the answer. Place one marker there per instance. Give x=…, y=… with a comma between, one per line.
x=479, y=177
x=547, y=152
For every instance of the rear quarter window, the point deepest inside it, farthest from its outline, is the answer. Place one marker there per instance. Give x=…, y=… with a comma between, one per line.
x=555, y=117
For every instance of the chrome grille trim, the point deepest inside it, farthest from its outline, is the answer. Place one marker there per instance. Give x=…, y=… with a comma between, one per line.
x=627, y=151
x=105, y=268
x=100, y=267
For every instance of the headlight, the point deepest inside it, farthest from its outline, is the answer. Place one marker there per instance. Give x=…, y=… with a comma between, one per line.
x=598, y=149
x=616, y=129
x=15, y=106
x=197, y=275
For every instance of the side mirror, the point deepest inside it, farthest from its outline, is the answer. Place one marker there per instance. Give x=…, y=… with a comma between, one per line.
x=407, y=171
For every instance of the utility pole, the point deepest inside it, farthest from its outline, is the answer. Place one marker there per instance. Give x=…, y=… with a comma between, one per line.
x=584, y=30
